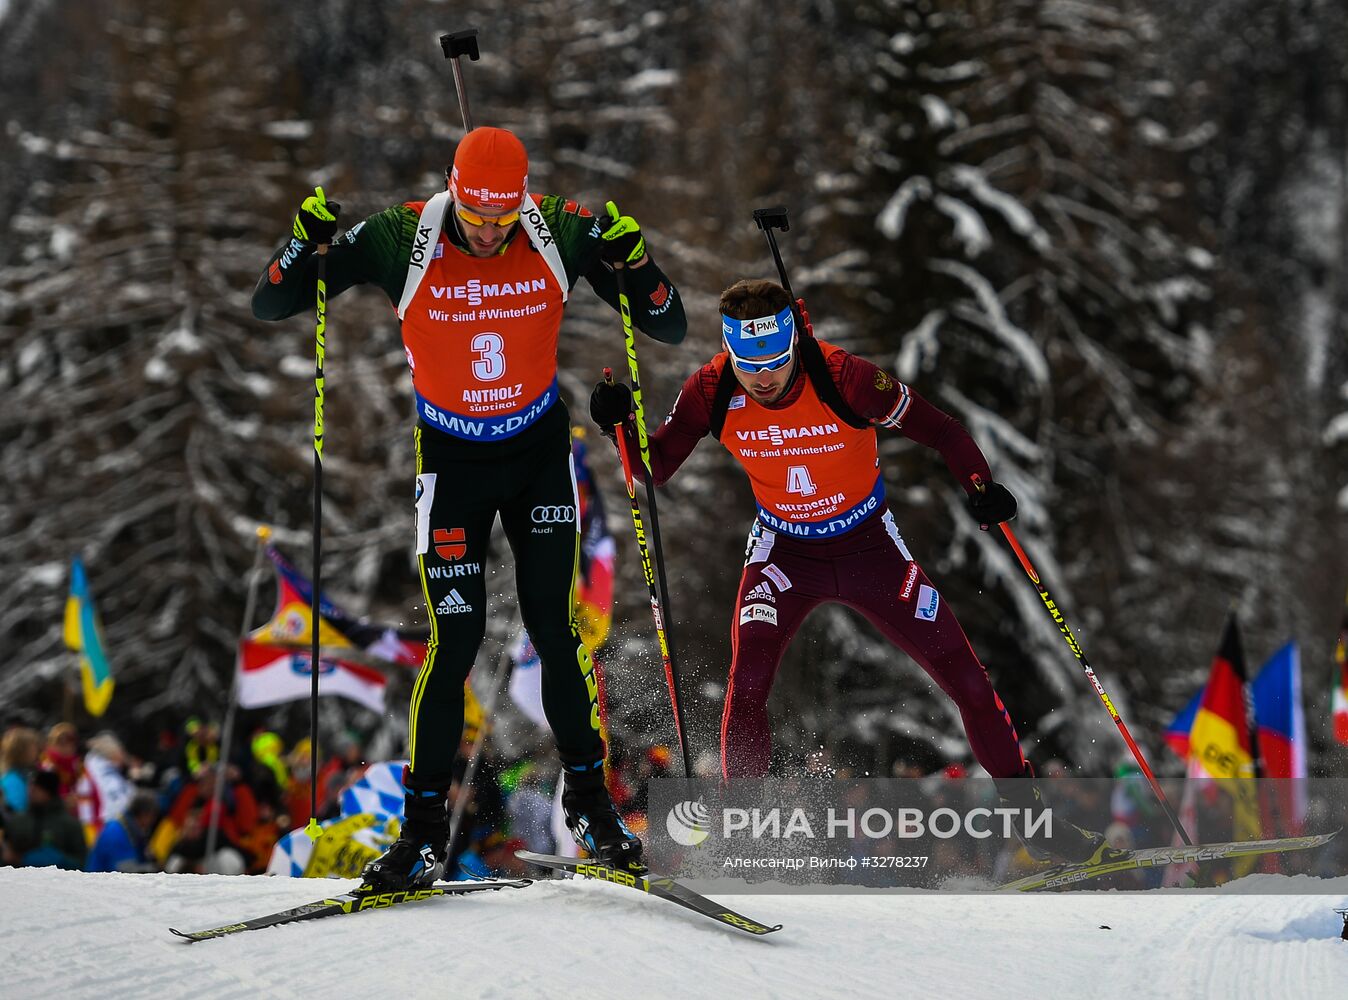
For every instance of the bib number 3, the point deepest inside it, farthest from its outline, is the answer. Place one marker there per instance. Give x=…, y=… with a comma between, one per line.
x=489, y=365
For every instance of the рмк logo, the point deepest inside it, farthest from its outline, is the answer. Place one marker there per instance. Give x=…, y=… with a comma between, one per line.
x=687, y=823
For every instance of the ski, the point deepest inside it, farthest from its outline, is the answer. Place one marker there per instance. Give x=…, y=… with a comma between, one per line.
x=1064, y=875
x=355, y=901
x=654, y=885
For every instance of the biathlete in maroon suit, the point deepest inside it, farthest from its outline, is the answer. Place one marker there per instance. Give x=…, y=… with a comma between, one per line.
x=799, y=416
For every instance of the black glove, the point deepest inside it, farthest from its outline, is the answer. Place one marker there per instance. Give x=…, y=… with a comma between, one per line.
x=316, y=221
x=621, y=242
x=610, y=403
x=992, y=505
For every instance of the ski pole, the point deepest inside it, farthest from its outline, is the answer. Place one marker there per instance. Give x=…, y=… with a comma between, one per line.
x=249, y=604
x=476, y=755
x=769, y=219
x=456, y=44
x=657, y=609
x=314, y=830
x=1056, y=613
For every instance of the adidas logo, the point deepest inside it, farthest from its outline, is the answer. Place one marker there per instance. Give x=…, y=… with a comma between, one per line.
x=761, y=593
x=453, y=604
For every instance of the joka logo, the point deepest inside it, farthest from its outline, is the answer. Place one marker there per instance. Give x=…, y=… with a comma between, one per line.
x=450, y=543
x=687, y=824
x=453, y=604
x=423, y=240
x=535, y=219
x=554, y=515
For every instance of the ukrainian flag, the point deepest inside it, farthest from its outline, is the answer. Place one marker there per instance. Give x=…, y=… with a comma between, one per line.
x=84, y=634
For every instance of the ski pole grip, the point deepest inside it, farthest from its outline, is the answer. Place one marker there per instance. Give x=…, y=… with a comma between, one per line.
x=772, y=218
x=769, y=219
x=979, y=487
x=608, y=375
x=460, y=43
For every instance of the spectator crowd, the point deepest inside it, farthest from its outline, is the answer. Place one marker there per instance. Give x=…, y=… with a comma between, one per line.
x=87, y=803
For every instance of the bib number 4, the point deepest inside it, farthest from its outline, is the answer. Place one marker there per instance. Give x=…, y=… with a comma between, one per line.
x=798, y=481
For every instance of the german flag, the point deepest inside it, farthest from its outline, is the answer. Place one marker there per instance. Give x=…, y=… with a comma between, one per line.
x=1221, y=737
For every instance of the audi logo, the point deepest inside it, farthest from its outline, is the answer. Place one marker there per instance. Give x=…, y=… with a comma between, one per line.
x=554, y=515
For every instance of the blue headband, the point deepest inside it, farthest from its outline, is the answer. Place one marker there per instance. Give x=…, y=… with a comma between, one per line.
x=766, y=335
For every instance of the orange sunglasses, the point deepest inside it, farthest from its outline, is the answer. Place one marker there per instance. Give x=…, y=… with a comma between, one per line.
x=499, y=221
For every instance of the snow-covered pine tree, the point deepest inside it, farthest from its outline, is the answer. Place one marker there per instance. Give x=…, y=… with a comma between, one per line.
x=1013, y=179
x=151, y=423
x=1267, y=483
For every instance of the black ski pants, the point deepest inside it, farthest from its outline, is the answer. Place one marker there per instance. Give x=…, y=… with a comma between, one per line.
x=530, y=482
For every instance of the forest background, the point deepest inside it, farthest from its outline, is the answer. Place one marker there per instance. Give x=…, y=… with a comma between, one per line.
x=1111, y=238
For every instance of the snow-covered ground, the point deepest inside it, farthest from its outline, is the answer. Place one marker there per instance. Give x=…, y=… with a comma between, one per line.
x=70, y=936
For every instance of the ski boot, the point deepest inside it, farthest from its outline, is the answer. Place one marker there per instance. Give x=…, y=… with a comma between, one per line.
x=595, y=823
x=417, y=857
x=1067, y=843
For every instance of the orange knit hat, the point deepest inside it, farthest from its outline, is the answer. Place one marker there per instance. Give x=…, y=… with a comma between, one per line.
x=491, y=170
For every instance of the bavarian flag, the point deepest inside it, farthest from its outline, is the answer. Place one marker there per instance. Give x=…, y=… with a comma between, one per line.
x=1220, y=739
x=84, y=635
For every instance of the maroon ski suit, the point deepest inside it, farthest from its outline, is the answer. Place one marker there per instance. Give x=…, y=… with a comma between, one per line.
x=856, y=558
